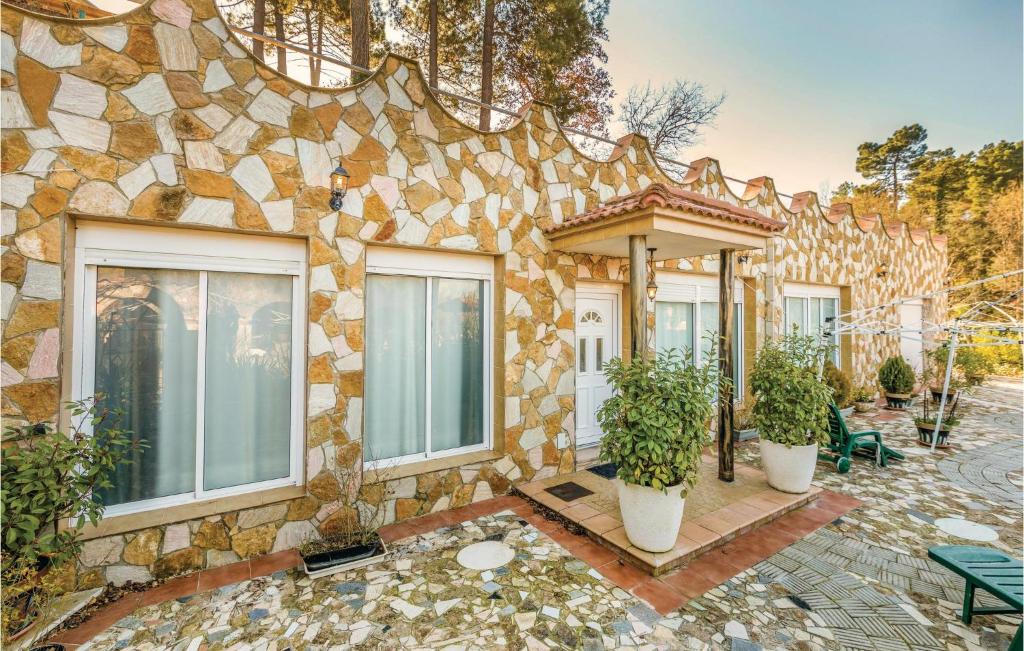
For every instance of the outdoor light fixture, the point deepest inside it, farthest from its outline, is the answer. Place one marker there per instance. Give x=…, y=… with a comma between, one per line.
x=882, y=271
x=652, y=287
x=743, y=259
x=339, y=186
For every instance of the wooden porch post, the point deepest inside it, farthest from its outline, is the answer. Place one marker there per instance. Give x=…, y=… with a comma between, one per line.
x=638, y=294
x=726, y=444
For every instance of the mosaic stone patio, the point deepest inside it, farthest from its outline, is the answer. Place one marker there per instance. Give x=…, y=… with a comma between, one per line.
x=861, y=582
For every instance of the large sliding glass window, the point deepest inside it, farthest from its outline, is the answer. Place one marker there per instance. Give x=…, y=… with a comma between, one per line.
x=686, y=319
x=808, y=311
x=200, y=353
x=427, y=357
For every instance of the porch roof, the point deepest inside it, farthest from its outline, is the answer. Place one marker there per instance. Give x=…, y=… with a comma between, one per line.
x=679, y=223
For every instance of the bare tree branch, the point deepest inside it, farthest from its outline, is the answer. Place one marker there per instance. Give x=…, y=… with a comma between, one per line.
x=670, y=117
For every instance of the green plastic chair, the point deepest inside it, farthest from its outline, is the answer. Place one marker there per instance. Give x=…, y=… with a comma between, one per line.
x=991, y=570
x=843, y=443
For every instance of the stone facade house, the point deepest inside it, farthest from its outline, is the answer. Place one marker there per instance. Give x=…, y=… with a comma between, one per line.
x=168, y=243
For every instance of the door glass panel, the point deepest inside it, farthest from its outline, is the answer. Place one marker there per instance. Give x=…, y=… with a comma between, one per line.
x=672, y=327
x=396, y=318
x=582, y=352
x=147, y=326
x=599, y=354
x=248, y=379
x=456, y=363
x=709, y=328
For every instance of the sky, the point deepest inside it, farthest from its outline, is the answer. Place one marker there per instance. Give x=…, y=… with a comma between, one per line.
x=807, y=81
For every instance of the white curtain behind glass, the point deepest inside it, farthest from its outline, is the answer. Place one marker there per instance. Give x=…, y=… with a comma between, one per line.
x=456, y=363
x=248, y=379
x=674, y=327
x=147, y=324
x=395, y=366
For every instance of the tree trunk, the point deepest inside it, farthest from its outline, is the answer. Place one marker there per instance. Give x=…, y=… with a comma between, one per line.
x=259, y=22
x=307, y=13
x=282, y=54
x=360, y=10
x=319, y=44
x=487, y=69
x=433, y=43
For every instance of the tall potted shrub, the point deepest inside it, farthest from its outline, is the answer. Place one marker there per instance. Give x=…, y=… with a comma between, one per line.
x=656, y=425
x=790, y=410
x=897, y=379
x=842, y=388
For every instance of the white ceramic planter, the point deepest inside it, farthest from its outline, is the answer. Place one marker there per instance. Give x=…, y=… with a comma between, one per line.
x=789, y=469
x=652, y=517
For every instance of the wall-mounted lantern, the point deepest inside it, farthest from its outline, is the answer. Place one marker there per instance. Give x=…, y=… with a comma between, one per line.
x=339, y=186
x=652, y=287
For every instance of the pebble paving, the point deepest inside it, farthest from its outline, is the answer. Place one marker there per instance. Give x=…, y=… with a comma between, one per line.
x=862, y=582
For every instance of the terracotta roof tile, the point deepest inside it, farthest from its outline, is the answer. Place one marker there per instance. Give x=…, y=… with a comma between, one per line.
x=659, y=194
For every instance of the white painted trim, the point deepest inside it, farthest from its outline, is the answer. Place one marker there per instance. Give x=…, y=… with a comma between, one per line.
x=806, y=290
x=384, y=259
x=99, y=244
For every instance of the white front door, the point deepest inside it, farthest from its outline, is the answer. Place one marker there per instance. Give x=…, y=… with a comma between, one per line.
x=911, y=339
x=597, y=341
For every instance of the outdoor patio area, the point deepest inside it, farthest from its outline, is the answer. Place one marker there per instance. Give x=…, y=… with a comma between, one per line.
x=849, y=570
x=716, y=511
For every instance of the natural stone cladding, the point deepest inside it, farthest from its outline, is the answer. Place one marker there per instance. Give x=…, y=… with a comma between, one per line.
x=161, y=116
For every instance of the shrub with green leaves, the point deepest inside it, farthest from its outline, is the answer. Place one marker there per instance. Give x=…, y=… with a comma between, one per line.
x=790, y=400
x=839, y=382
x=656, y=423
x=970, y=367
x=49, y=477
x=896, y=375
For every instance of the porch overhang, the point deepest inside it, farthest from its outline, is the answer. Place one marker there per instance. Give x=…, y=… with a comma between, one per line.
x=678, y=223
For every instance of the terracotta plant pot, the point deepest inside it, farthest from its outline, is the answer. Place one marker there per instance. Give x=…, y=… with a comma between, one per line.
x=937, y=395
x=789, y=469
x=651, y=517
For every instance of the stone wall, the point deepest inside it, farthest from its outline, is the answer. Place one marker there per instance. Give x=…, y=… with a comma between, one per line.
x=161, y=116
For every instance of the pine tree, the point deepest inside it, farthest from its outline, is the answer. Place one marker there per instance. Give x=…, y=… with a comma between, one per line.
x=892, y=164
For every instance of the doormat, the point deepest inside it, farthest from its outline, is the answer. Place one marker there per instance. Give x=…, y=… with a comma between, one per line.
x=569, y=491
x=606, y=470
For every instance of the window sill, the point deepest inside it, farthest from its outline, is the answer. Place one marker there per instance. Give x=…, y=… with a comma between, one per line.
x=135, y=521
x=430, y=465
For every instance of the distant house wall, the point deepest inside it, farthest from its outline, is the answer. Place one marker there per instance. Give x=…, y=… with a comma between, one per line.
x=161, y=117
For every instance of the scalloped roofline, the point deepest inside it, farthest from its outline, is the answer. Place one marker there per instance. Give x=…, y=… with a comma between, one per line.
x=803, y=204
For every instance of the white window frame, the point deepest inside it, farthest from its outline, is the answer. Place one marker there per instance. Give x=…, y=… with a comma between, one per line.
x=674, y=287
x=805, y=292
x=389, y=261
x=123, y=245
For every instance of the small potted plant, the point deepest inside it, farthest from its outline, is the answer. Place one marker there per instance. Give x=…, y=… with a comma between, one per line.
x=842, y=388
x=969, y=370
x=926, y=422
x=863, y=399
x=897, y=379
x=790, y=410
x=50, y=478
x=352, y=540
x=656, y=425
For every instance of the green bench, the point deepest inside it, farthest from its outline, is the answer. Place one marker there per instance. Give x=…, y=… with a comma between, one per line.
x=843, y=443
x=1000, y=575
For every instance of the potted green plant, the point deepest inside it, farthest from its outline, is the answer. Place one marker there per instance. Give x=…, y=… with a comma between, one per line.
x=897, y=379
x=49, y=479
x=970, y=368
x=655, y=427
x=926, y=422
x=863, y=399
x=790, y=410
x=842, y=388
